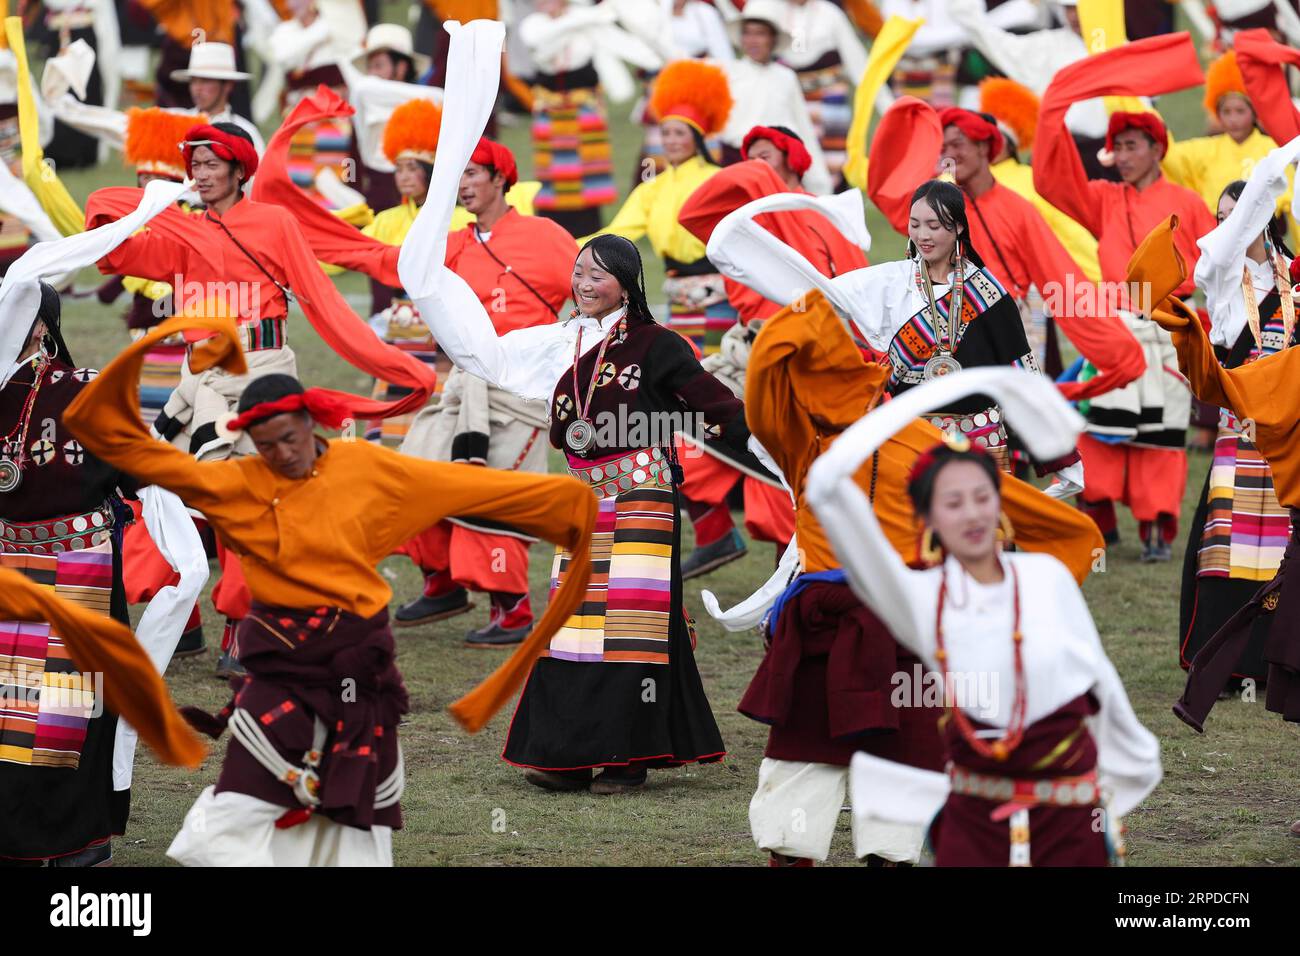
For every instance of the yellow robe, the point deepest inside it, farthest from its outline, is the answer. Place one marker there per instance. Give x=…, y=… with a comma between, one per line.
x=651, y=210
x=1208, y=163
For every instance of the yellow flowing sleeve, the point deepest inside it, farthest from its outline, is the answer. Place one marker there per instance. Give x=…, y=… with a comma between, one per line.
x=39, y=175
x=886, y=50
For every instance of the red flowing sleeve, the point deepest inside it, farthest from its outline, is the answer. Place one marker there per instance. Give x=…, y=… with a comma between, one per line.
x=1263, y=65
x=345, y=333
x=904, y=150
x=331, y=239
x=1150, y=67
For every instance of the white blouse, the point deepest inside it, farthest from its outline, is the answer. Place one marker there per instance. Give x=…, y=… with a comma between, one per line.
x=1063, y=656
x=1220, y=268
x=769, y=95
x=885, y=297
x=821, y=27
x=526, y=362
x=699, y=31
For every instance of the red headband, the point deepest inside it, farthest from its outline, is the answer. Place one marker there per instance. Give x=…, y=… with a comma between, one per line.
x=1148, y=123
x=227, y=146
x=928, y=459
x=322, y=405
x=975, y=127
x=488, y=153
x=796, y=153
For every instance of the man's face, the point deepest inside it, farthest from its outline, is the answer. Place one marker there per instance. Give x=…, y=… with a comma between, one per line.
x=1136, y=154
x=968, y=158
x=214, y=178
x=287, y=444
x=757, y=40
x=1072, y=19
x=765, y=150
x=210, y=96
x=480, y=186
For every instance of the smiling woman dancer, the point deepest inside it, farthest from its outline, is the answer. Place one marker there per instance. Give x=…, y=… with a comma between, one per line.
x=618, y=687
x=1048, y=737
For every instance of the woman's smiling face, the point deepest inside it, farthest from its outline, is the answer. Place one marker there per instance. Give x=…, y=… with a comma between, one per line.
x=595, y=290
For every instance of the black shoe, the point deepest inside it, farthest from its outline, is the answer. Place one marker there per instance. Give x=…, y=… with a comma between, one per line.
x=1111, y=537
x=101, y=855
x=559, y=780
x=1155, y=549
x=191, y=643
x=228, y=666
x=614, y=780
x=426, y=610
x=494, y=635
x=710, y=557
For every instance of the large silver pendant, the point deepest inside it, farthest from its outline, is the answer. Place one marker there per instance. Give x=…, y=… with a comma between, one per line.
x=11, y=476
x=580, y=435
x=940, y=364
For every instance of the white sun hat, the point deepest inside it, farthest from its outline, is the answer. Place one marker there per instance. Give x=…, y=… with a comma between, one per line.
x=210, y=61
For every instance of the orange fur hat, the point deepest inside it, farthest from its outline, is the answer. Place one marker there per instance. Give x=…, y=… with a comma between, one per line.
x=1014, y=106
x=1221, y=78
x=695, y=93
x=153, y=140
x=412, y=131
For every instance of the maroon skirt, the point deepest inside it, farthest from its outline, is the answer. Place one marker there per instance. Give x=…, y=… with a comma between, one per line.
x=826, y=686
x=303, y=666
x=965, y=834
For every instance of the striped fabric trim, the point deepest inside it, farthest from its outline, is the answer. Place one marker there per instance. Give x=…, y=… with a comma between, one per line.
x=916, y=341
x=263, y=334
x=572, y=156
x=45, y=703
x=1246, y=529
x=626, y=615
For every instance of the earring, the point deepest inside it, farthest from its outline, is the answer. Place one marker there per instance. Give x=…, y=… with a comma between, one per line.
x=931, y=548
x=956, y=252
x=912, y=252
x=1006, y=535
x=49, y=347
x=575, y=313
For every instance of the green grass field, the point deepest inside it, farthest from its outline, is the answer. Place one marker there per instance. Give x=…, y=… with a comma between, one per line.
x=1227, y=797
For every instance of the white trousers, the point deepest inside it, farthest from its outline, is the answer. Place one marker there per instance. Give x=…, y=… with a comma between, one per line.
x=797, y=806
x=234, y=829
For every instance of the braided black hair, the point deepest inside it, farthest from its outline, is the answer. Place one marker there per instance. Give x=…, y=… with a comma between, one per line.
x=50, y=312
x=621, y=259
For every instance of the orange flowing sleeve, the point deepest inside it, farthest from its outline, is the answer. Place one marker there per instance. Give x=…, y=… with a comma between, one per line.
x=807, y=382
x=100, y=645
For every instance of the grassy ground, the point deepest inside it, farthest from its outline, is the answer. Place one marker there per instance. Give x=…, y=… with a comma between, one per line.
x=1226, y=799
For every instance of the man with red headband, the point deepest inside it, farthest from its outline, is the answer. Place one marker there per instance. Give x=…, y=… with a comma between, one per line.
x=782, y=149
x=314, y=775
x=1134, y=446
x=519, y=266
x=243, y=259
